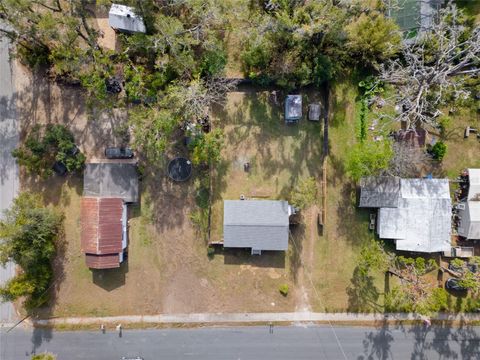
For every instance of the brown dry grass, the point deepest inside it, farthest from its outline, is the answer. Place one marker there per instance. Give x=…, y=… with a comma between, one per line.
x=346, y=226
x=168, y=270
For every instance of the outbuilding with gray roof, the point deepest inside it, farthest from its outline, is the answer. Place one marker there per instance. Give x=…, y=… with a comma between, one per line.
x=119, y=180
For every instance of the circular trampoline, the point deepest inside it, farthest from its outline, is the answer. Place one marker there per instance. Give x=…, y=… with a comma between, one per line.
x=179, y=169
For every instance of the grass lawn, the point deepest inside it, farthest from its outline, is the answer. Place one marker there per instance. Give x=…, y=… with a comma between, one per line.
x=461, y=153
x=280, y=155
x=346, y=226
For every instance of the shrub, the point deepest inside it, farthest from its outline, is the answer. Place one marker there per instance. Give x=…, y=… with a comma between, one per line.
x=199, y=219
x=202, y=189
x=34, y=57
x=213, y=62
x=322, y=70
x=255, y=58
x=305, y=193
x=207, y=148
x=438, y=150
x=283, y=289
x=459, y=263
x=210, y=251
x=44, y=356
x=368, y=158
x=39, y=153
x=438, y=300
x=443, y=124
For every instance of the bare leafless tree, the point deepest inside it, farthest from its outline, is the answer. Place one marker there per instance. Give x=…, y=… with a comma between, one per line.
x=407, y=161
x=195, y=99
x=432, y=69
x=411, y=274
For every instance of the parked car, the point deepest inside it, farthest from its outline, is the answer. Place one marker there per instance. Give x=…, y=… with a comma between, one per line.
x=59, y=168
x=118, y=153
x=472, y=267
x=455, y=268
x=460, y=269
x=453, y=284
x=73, y=151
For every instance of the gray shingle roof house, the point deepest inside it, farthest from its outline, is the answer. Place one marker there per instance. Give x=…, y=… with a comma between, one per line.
x=416, y=213
x=123, y=18
x=469, y=209
x=380, y=191
x=293, y=108
x=256, y=224
x=117, y=180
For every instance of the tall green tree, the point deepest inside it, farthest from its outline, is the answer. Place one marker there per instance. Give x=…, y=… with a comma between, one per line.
x=29, y=234
x=43, y=147
x=373, y=38
x=206, y=149
x=153, y=128
x=368, y=158
x=305, y=193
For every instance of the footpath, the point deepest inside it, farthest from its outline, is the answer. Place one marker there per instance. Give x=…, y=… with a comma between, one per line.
x=256, y=318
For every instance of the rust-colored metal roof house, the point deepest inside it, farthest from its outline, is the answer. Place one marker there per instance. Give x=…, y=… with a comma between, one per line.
x=103, y=236
x=108, y=188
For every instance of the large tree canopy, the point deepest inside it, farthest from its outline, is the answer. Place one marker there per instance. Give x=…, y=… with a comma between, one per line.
x=297, y=43
x=29, y=233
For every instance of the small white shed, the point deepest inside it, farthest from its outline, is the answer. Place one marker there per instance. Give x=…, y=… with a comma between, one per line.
x=123, y=18
x=314, y=112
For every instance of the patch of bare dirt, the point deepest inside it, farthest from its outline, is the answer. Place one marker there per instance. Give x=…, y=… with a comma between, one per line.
x=167, y=270
x=40, y=101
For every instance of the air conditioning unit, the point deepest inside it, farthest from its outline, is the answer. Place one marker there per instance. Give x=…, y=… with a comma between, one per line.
x=461, y=206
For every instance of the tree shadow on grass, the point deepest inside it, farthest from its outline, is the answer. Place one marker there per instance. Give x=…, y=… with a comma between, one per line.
x=353, y=221
x=170, y=201
x=51, y=188
x=362, y=293
x=46, y=303
x=297, y=236
x=219, y=180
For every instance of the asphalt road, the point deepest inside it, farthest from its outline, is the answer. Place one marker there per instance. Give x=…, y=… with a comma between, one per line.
x=313, y=342
x=8, y=166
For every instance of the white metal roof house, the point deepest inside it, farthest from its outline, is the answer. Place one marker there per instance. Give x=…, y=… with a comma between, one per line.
x=416, y=213
x=123, y=18
x=256, y=224
x=469, y=208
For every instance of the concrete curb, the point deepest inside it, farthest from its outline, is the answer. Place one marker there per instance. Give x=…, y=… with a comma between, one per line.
x=212, y=318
